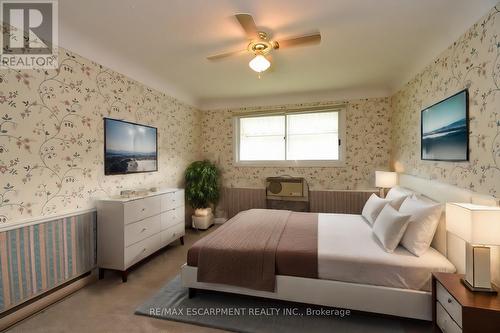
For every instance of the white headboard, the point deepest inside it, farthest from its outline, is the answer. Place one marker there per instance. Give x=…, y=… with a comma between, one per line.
x=448, y=244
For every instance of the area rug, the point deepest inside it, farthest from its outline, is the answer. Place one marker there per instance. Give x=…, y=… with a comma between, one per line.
x=249, y=314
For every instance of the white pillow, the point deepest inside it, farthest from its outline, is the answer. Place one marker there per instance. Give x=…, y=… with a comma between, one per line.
x=398, y=191
x=397, y=195
x=423, y=224
x=425, y=200
x=373, y=207
x=390, y=227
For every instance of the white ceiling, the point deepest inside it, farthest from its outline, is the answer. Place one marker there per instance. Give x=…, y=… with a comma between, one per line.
x=369, y=48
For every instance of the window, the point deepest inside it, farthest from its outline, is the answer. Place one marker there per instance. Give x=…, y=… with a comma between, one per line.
x=294, y=138
x=261, y=138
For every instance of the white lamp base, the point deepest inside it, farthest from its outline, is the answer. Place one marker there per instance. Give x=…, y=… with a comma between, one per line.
x=492, y=290
x=478, y=273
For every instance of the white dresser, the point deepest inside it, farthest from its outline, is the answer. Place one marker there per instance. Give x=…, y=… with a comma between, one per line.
x=131, y=229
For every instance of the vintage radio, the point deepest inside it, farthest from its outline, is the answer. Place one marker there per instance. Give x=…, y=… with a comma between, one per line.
x=290, y=193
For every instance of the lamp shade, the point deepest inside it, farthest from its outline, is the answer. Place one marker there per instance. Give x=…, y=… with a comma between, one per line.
x=474, y=223
x=386, y=179
x=259, y=63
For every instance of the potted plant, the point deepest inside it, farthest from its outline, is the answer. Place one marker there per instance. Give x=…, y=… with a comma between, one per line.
x=202, y=191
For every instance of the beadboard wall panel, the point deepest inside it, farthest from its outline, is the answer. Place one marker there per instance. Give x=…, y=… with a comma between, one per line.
x=235, y=200
x=339, y=202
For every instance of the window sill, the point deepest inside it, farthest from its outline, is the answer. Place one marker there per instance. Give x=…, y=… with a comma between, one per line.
x=291, y=164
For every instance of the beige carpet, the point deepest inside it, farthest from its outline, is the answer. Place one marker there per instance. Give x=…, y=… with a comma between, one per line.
x=108, y=305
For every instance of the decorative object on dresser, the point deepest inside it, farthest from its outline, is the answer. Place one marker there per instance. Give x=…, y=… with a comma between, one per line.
x=457, y=309
x=129, y=229
x=385, y=179
x=286, y=192
x=202, y=192
x=476, y=225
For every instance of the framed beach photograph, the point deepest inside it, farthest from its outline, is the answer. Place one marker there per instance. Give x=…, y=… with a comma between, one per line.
x=445, y=129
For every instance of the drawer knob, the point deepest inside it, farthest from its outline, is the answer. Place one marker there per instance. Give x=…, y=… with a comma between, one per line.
x=144, y=229
x=143, y=209
x=449, y=300
x=144, y=250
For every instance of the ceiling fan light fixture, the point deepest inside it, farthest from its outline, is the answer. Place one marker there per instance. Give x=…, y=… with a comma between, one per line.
x=260, y=44
x=259, y=63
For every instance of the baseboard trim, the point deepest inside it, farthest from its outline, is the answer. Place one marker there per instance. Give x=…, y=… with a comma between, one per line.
x=25, y=310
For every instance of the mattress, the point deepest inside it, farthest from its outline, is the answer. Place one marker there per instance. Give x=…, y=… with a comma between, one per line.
x=348, y=251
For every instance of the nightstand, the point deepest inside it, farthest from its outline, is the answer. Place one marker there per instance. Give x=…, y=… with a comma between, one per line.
x=457, y=309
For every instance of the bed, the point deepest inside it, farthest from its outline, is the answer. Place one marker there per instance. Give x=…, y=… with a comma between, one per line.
x=327, y=259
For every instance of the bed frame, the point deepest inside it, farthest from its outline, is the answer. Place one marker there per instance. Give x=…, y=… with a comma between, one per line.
x=397, y=302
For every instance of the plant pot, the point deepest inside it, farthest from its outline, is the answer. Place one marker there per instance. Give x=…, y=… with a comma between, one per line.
x=203, y=212
x=203, y=222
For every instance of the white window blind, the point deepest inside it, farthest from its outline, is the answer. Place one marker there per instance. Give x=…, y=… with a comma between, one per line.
x=262, y=138
x=313, y=136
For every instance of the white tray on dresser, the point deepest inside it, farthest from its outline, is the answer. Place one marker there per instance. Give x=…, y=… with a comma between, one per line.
x=131, y=229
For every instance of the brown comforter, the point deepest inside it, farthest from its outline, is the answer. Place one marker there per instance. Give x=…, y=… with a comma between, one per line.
x=256, y=245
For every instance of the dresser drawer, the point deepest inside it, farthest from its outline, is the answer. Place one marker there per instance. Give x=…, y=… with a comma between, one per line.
x=172, y=217
x=138, y=231
x=136, y=210
x=449, y=303
x=172, y=200
x=141, y=250
x=444, y=321
x=172, y=233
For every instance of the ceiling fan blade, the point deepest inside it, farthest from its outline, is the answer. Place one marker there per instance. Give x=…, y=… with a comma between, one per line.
x=227, y=54
x=248, y=24
x=298, y=41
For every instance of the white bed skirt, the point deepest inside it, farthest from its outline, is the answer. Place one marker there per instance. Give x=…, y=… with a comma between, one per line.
x=362, y=297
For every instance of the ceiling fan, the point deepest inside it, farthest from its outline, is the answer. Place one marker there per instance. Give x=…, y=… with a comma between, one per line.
x=261, y=45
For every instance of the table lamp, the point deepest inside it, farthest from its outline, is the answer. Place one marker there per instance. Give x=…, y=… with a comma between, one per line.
x=385, y=179
x=479, y=226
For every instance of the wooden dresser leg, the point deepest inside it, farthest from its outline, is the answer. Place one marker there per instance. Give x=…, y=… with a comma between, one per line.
x=191, y=292
x=182, y=240
x=124, y=276
x=101, y=273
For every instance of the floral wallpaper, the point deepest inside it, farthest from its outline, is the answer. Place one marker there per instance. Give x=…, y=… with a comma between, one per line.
x=368, y=147
x=51, y=136
x=472, y=62
x=51, y=131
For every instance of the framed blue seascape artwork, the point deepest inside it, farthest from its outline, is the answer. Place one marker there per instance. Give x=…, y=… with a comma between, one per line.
x=445, y=129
